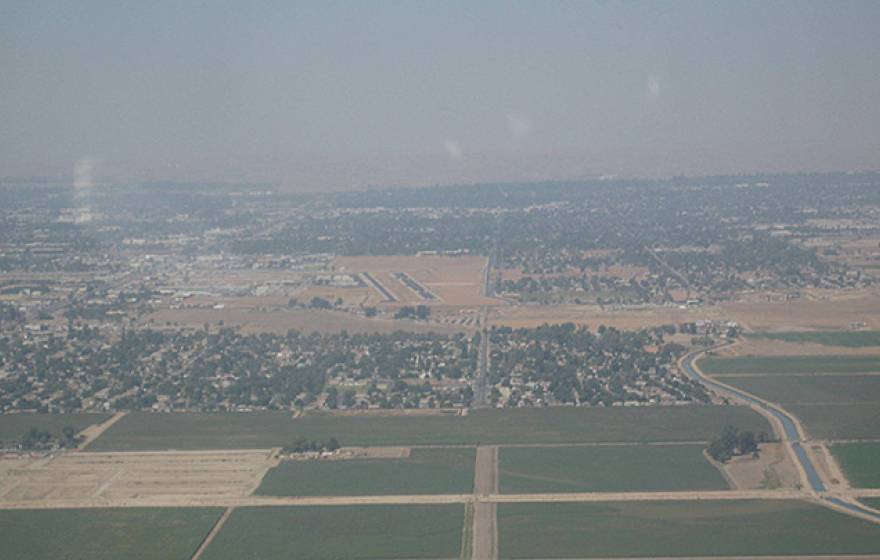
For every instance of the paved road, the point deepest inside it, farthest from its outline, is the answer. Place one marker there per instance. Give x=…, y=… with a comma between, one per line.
x=481, y=383
x=197, y=500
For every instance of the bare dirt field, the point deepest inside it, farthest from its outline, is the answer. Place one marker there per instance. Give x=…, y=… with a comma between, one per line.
x=816, y=310
x=130, y=476
x=527, y=316
x=280, y=321
x=769, y=347
x=772, y=470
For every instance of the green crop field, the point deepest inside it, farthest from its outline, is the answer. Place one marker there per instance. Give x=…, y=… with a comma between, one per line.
x=781, y=365
x=871, y=502
x=819, y=389
x=860, y=462
x=425, y=471
x=643, y=468
x=839, y=421
x=850, y=339
x=98, y=534
x=351, y=532
x=14, y=426
x=147, y=431
x=680, y=528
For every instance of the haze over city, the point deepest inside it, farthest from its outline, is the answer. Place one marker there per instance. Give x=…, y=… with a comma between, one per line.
x=335, y=95
x=480, y=280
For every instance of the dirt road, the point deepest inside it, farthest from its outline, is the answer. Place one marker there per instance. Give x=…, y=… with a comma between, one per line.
x=214, y=531
x=485, y=531
x=92, y=433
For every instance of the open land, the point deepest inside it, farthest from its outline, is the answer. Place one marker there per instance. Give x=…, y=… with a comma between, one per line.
x=424, y=471
x=669, y=529
x=340, y=532
x=824, y=310
x=252, y=320
x=761, y=346
x=860, y=462
x=853, y=339
x=636, y=468
x=260, y=430
x=99, y=534
x=456, y=280
x=132, y=476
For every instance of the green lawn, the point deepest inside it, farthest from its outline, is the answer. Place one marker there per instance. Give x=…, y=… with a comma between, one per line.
x=713, y=365
x=850, y=339
x=812, y=389
x=425, y=471
x=111, y=534
x=14, y=426
x=839, y=421
x=351, y=532
x=680, y=528
x=642, y=468
x=148, y=431
x=860, y=462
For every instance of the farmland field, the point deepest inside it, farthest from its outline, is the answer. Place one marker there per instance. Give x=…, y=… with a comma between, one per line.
x=812, y=389
x=97, y=534
x=146, y=431
x=789, y=364
x=698, y=528
x=642, y=468
x=353, y=532
x=425, y=471
x=860, y=462
x=839, y=421
x=850, y=339
x=14, y=426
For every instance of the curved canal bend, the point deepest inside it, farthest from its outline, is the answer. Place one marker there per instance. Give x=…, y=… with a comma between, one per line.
x=792, y=435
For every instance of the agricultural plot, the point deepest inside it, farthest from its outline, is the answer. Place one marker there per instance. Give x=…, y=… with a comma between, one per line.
x=14, y=426
x=98, y=534
x=131, y=476
x=352, y=532
x=839, y=421
x=146, y=431
x=718, y=366
x=425, y=471
x=849, y=339
x=860, y=462
x=670, y=529
x=630, y=468
x=820, y=389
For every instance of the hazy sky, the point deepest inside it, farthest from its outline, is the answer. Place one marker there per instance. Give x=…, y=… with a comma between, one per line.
x=331, y=95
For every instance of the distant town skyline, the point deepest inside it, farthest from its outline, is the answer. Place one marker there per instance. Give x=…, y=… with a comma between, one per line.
x=316, y=96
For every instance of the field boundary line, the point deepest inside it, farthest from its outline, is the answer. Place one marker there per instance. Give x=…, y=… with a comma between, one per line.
x=218, y=525
x=93, y=432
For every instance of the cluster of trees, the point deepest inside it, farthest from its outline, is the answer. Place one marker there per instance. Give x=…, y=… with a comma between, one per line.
x=36, y=439
x=732, y=442
x=305, y=445
x=419, y=312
